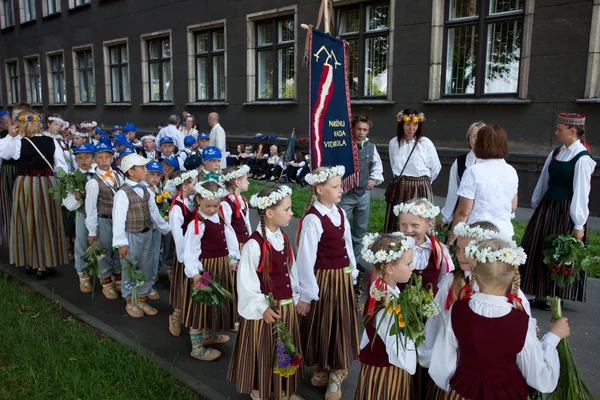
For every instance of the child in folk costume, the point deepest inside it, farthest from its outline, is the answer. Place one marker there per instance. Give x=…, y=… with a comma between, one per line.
x=37, y=233
x=210, y=246
x=388, y=361
x=84, y=156
x=234, y=208
x=99, y=198
x=153, y=180
x=180, y=215
x=134, y=213
x=148, y=149
x=489, y=346
x=327, y=272
x=267, y=267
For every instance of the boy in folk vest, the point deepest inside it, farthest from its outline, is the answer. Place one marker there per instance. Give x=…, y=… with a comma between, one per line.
x=99, y=195
x=134, y=213
x=357, y=202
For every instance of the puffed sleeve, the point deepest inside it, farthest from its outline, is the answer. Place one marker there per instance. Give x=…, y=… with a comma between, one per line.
x=307, y=256
x=433, y=326
x=10, y=147
x=444, y=357
x=193, y=249
x=251, y=301
x=539, y=363
x=542, y=184
x=91, y=204
x=233, y=246
x=584, y=168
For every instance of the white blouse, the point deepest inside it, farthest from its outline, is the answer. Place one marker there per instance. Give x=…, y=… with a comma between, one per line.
x=176, y=222
x=398, y=355
x=537, y=361
x=251, y=301
x=453, y=183
x=10, y=147
x=309, y=244
x=584, y=168
x=193, y=244
x=492, y=185
x=228, y=212
x=423, y=162
x=422, y=254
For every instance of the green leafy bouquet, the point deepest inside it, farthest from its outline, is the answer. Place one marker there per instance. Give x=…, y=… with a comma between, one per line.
x=210, y=292
x=92, y=257
x=135, y=280
x=68, y=182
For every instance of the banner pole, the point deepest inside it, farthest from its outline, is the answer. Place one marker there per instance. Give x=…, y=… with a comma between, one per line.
x=326, y=16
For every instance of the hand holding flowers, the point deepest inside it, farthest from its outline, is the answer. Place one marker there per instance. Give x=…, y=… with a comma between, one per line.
x=288, y=359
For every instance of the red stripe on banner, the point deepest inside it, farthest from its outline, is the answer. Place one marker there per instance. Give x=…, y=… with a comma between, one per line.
x=324, y=96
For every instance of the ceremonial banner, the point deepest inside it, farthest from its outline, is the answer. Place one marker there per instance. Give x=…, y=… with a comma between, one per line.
x=331, y=140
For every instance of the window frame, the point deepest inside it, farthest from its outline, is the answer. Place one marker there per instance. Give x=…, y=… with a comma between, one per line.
x=209, y=56
x=31, y=88
x=120, y=64
x=160, y=61
x=51, y=73
x=46, y=7
x=3, y=21
x=13, y=84
x=23, y=5
x=78, y=69
x=84, y=3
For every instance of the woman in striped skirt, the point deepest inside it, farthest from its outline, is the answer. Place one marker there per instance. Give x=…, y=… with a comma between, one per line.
x=560, y=201
x=415, y=165
x=211, y=247
x=327, y=273
x=37, y=236
x=267, y=267
x=8, y=175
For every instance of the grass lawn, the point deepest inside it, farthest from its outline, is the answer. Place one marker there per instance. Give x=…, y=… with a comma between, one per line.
x=377, y=219
x=46, y=354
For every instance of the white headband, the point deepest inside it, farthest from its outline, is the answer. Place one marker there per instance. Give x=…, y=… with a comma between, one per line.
x=90, y=125
x=80, y=134
x=264, y=202
x=428, y=211
x=148, y=137
x=514, y=255
x=182, y=178
x=207, y=194
x=324, y=176
x=60, y=120
x=238, y=173
x=383, y=256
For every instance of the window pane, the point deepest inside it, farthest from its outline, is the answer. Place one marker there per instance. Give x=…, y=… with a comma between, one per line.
x=123, y=50
x=201, y=42
x=166, y=48
x=219, y=40
x=29, y=10
x=265, y=75
x=219, y=77
x=125, y=83
x=114, y=55
x=285, y=29
x=90, y=86
x=115, y=84
x=265, y=33
x=166, y=76
x=500, y=6
x=349, y=21
x=202, y=78
x=503, y=56
x=82, y=87
x=461, y=60
x=153, y=49
x=464, y=8
x=376, y=66
x=286, y=88
x=353, y=67
x=377, y=17
x=154, y=82
x=56, y=87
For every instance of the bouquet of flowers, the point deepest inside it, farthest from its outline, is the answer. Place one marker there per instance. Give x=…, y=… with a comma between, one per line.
x=210, y=292
x=358, y=292
x=92, y=257
x=136, y=280
x=68, y=182
x=567, y=259
x=288, y=357
x=162, y=202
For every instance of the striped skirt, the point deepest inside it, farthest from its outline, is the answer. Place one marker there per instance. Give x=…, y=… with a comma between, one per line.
x=176, y=288
x=254, y=356
x=200, y=316
x=8, y=175
x=402, y=189
x=549, y=218
x=330, y=330
x=434, y=392
x=383, y=383
x=37, y=233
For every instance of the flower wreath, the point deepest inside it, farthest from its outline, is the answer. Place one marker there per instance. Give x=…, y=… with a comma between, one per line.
x=182, y=178
x=148, y=137
x=32, y=117
x=414, y=118
x=238, y=173
x=324, y=176
x=265, y=202
x=90, y=125
x=513, y=255
x=477, y=232
x=207, y=194
x=80, y=134
x=382, y=256
x=65, y=126
x=428, y=211
x=62, y=121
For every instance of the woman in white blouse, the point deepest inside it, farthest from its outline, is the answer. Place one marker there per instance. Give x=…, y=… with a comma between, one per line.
x=457, y=171
x=560, y=201
x=488, y=189
x=415, y=165
x=189, y=127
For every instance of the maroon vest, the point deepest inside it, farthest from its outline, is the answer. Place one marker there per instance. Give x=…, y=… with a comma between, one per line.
x=374, y=353
x=213, y=242
x=281, y=285
x=238, y=223
x=430, y=275
x=332, y=252
x=488, y=347
x=188, y=216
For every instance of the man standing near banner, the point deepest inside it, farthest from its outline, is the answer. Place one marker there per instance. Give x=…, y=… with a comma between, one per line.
x=357, y=202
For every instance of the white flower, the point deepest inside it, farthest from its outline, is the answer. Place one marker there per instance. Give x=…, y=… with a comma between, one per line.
x=265, y=202
x=207, y=194
x=182, y=178
x=382, y=256
x=323, y=176
x=513, y=255
x=429, y=211
x=477, y=233
x=238, y=173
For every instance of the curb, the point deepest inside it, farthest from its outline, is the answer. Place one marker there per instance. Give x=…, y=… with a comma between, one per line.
x=195, y=385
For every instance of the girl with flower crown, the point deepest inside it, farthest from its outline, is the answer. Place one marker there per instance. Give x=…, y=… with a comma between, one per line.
x=489, y=345
x=327, y=272
x=415, y=164
x=211, y=247
x=267, y=267
x=387, y=364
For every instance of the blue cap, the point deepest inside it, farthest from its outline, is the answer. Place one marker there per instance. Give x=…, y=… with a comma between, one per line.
x=166, y=139
x=192, y=162
x=105, y=139
x=154, y=166
x=121, y=140
x=116, y=128
x=203, y=136
x=211, y=153
x=104, y=148
x=4, y=113
x=99, y=131
x=129, y=127
x=85, y=148
x=172, y=161
x=189, y=141
x=127, y=151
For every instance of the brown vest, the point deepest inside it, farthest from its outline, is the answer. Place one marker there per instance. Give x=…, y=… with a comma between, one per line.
x=138, y=213
x=106, y=195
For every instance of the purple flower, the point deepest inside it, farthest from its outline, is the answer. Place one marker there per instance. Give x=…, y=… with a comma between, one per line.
x=283, y=358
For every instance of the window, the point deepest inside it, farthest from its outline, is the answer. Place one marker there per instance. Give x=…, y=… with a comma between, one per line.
x=51, y=7
x=12, y=81
x=209, y=51
x=27, y=10
x=119, y=73
x=483, y=47
x=33, y=80
x=56, y=81
x=159, y=67
x=366, y=29
x=84, y=76
x=275, y=72
x=8, y=16
x=78, y=3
